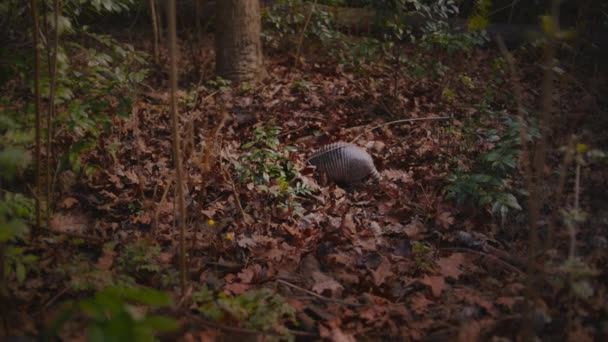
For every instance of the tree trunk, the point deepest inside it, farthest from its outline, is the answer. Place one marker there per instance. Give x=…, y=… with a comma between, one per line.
x=237, y=40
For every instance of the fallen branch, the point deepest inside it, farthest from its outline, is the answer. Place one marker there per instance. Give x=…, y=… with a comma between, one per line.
x=286, y=283
x=400, y=121
x=250, y=331
x=92, y=239
x=487, y=255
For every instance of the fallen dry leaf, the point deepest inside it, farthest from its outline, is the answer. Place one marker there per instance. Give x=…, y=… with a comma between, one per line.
x=236, y=288
x=444, y=220
x=381, y=273
x=436, y=283
x=106, y=259
x=469, y=331
x=324, y=283
x=450, y=266
x=68, y=203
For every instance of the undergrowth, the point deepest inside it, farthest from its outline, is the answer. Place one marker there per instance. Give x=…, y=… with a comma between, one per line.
x=266, y=167
x=491, y=182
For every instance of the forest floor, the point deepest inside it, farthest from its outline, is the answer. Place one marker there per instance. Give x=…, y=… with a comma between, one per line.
x=394, y=260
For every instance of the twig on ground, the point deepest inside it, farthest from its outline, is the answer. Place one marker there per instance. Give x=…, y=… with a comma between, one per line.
x=286, y=283
x=162, y=201
x=250, y=331
x=400, y=121
x=484, y=254
x=55, y=297
x=228, y=177
x=92, y=239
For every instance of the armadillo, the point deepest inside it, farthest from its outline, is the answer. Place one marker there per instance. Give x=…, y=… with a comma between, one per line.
x=344, y=163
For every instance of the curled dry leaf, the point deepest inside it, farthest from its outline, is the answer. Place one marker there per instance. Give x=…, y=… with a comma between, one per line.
x=348, y=224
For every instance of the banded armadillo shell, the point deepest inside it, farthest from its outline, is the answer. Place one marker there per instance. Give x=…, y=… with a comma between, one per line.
x=344, y=163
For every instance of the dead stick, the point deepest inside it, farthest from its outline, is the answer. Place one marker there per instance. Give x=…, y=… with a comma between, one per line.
x=400, y=121
x=301, y=40
x=285, y=282
x=35, y=28
x=484, y=254
x=234, y=191
x=179, y=172
x=249, y=331
x=51, y=111
x=76, y=235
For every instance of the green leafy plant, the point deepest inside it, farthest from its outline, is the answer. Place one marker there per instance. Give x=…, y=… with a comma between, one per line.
x=265, y=164
x=490, y=181
x=120, y=314
x=576, y=276
x=357, y=52
x=82, y=274
x=284, y=20
x=93, y=88
x=96, y=76
x=422, y=255
x=15, y=210
x=139, y=258
x=255, y=309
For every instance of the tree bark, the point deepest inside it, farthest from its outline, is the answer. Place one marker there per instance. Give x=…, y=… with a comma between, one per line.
x=237, y=40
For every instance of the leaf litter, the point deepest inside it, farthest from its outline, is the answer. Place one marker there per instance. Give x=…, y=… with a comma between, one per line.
x=353, y=246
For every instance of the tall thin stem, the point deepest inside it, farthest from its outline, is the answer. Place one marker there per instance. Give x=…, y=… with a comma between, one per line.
x=154, y=28
x=51, y=111
x=303, y=32
x=35, y=29
x=540, y=153
x=176, y=144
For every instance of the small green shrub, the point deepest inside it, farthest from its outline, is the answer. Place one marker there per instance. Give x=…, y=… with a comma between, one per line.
x=255, y=309
x=15, y=211
x=120, y=314
x=82, y=274
x=139, y=258
x=266, y=166
x=284, y=20
x=422, y=256
x=490, y=183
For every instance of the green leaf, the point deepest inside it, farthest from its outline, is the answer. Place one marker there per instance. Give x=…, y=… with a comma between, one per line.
x=95, y=334
x=144, y=296
x=546, y=23
x=14, y=229
x=160, y=323
x=582, y=289
x=12, y=159
x=20, y=272
x=248, y=145
x=511, y=201
x=90, y=308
